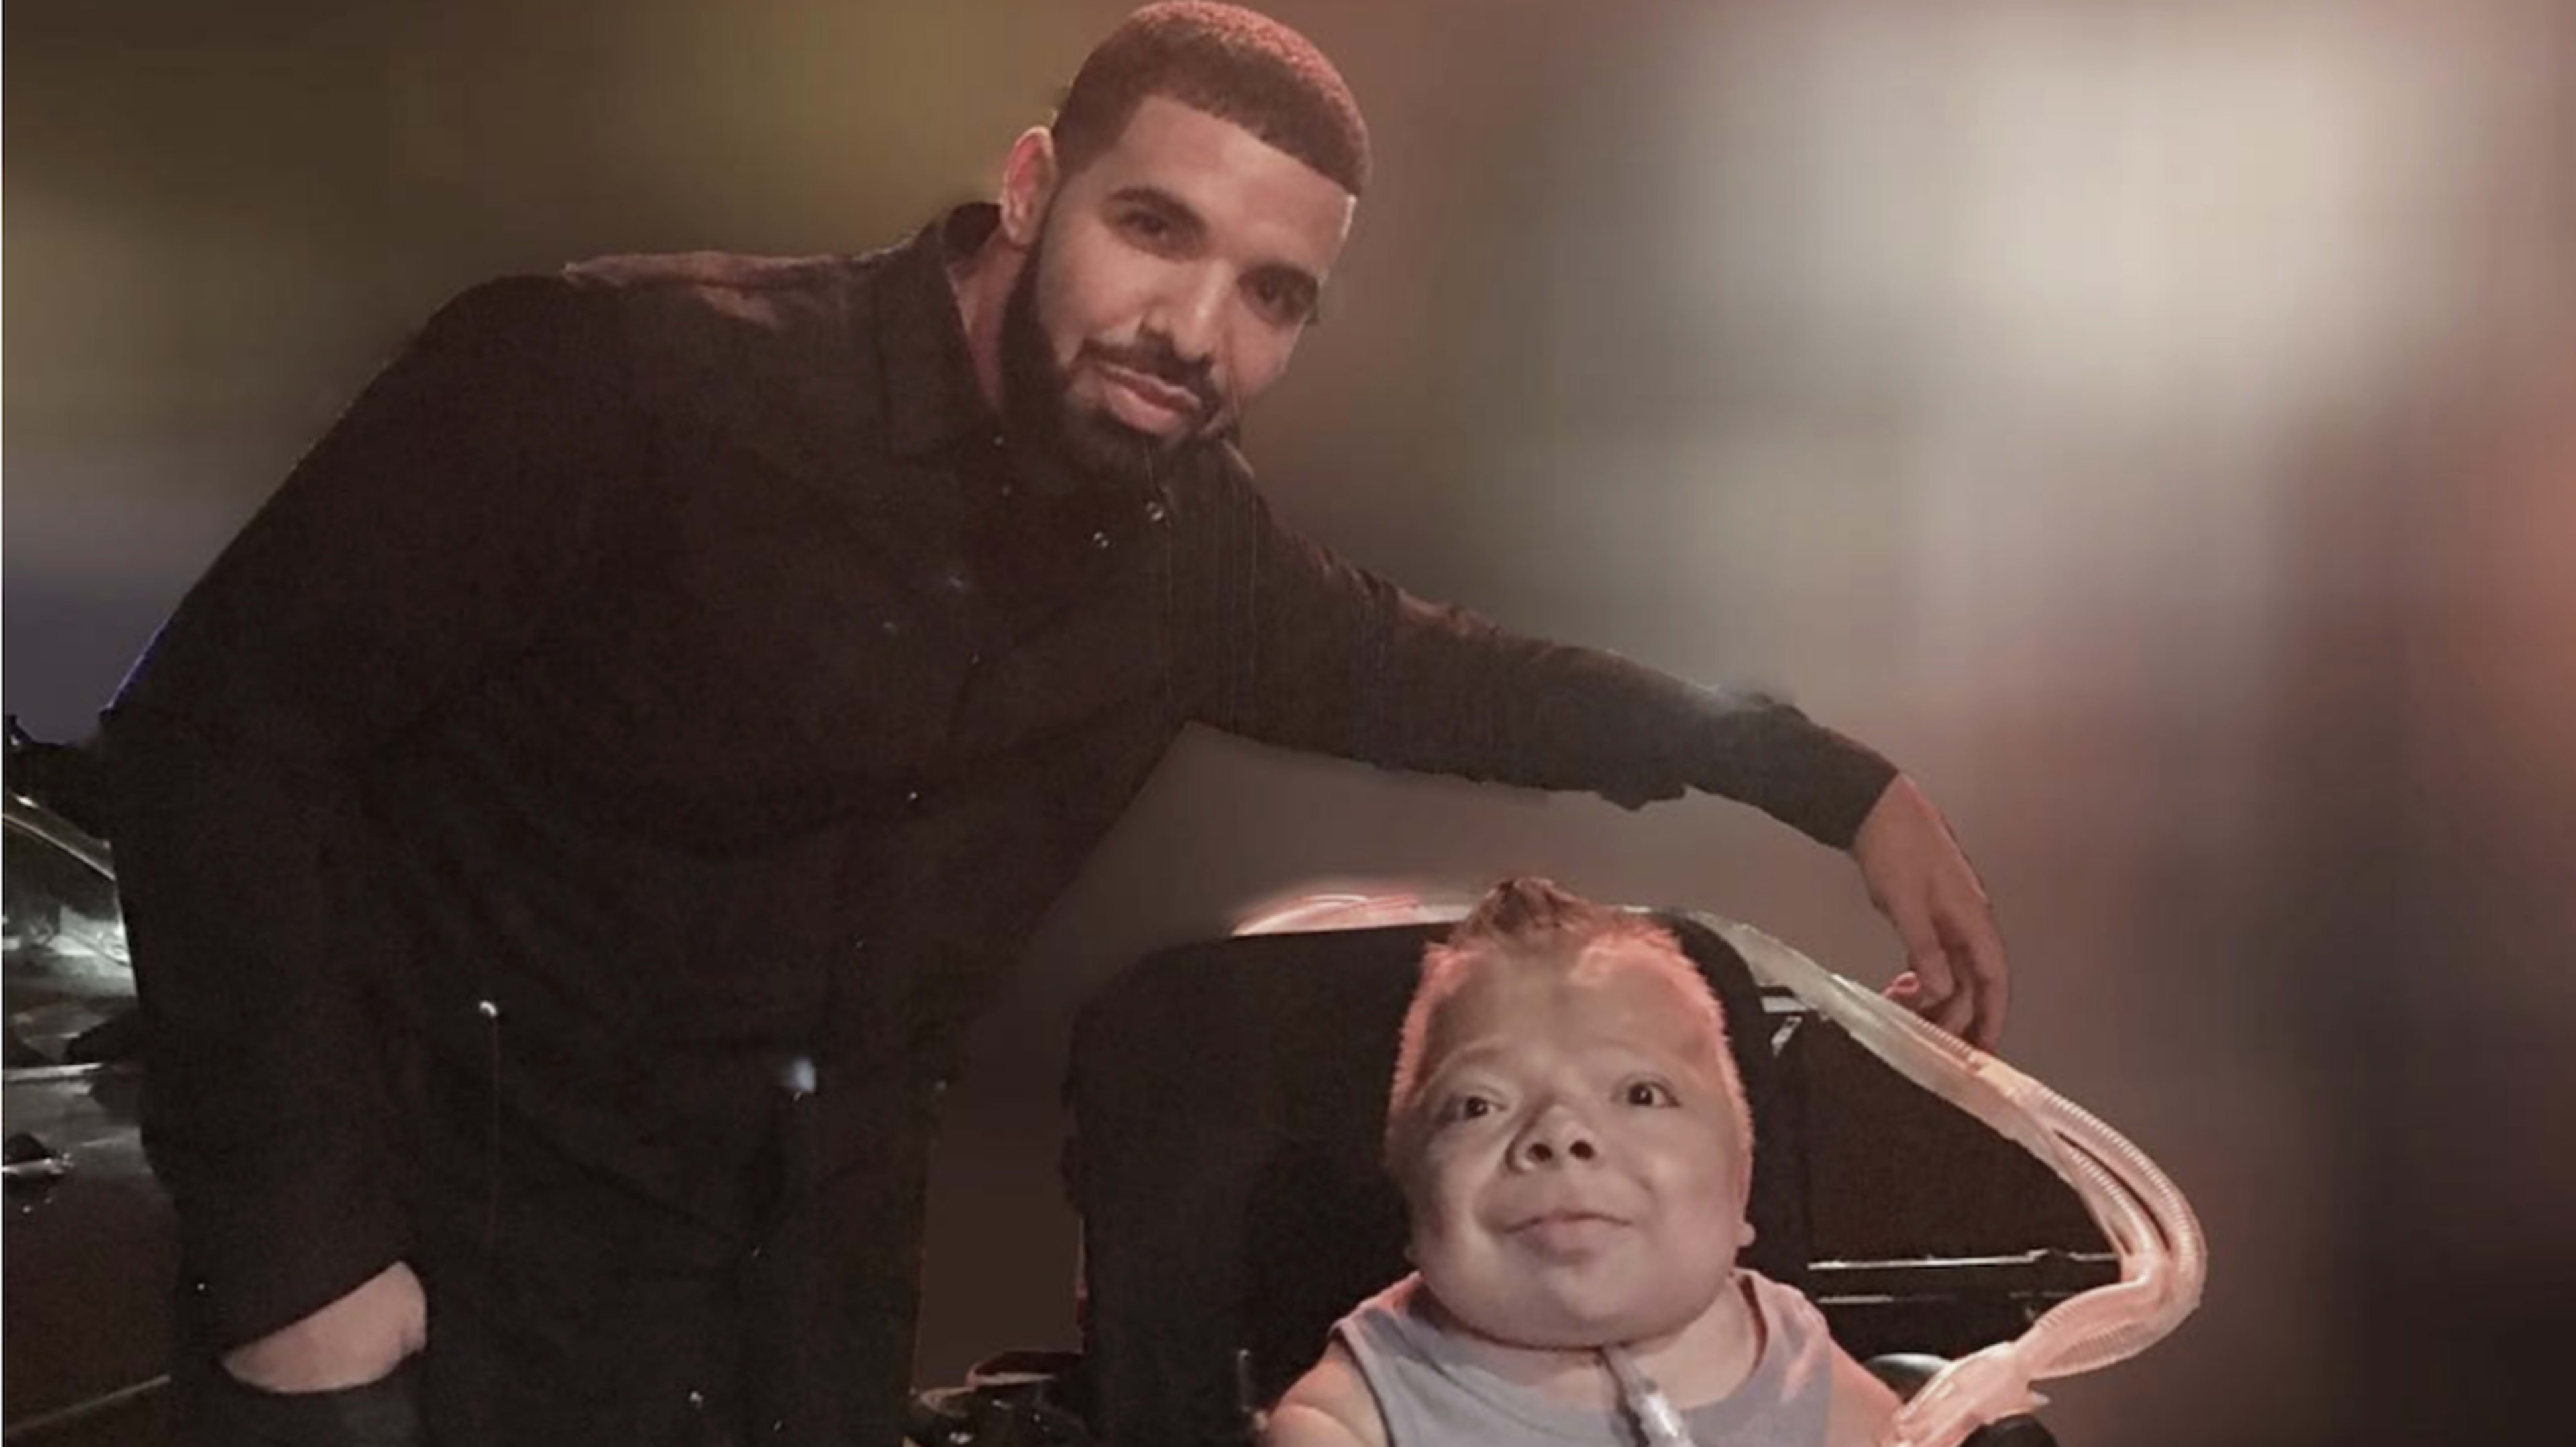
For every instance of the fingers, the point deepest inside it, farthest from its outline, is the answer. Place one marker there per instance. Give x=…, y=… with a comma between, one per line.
x=1955, y=973
x=1906, y=990
x=1926, y=959
x=1980, y=954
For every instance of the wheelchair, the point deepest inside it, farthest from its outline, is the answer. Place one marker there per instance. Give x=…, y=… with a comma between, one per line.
x=1227, y=1102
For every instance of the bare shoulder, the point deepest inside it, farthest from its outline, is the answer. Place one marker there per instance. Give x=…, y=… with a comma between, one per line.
x=1860, y=1407
x=1330, y=1406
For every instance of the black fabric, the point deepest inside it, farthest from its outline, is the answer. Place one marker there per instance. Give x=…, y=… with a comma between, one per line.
x=659, y=677
x=1228, y=1100
x=212, y=1409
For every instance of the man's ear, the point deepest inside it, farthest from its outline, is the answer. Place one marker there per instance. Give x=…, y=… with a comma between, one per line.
x=1029, y=177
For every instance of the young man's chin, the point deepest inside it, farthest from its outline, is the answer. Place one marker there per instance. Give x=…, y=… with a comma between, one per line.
x=1103, y=443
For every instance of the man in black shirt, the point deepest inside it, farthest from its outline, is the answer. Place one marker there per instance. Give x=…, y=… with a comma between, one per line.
x=567, y=832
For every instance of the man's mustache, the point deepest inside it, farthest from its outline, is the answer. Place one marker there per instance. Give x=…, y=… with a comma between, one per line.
x=1158, y=361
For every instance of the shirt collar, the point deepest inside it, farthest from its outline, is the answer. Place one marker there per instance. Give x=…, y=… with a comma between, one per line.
x=933, y=401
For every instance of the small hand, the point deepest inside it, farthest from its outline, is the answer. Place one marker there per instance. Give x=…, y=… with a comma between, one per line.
x=1955, y=974
x=357, y=1339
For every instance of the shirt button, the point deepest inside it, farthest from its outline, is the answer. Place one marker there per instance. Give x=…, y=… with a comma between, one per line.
x=912, y=796
x=890, y=627
x=1155, y=512
x=1100, y=541
x=798, y=1077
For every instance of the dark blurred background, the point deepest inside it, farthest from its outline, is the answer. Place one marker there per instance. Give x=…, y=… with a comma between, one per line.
x=2152, y=422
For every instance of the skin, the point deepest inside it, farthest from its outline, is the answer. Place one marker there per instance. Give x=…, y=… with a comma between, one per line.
x=1193, y=241
x=1578, y=1181
x=1578, y=1178
x=1179, y=271
x=1955, y=974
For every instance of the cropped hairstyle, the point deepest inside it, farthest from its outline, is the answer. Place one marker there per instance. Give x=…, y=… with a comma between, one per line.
x=1228, y=62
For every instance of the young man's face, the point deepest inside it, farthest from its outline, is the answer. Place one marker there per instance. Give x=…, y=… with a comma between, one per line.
x=1579, y=1180
x=1173, y=277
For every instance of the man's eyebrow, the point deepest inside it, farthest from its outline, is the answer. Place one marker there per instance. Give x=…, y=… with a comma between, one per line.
x=1465, y=1057
x=1308, y=286
x=1155, y=198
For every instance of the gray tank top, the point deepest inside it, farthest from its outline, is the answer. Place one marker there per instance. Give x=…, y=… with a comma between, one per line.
x=1431, y=1395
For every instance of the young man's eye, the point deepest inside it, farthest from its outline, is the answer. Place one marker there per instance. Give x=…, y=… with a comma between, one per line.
x=1468, y=1107
x=1147, y=227
x=1279, y=301
x=1648, y=1092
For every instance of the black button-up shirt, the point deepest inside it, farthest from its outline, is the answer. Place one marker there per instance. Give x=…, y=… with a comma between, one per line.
x=662, y=678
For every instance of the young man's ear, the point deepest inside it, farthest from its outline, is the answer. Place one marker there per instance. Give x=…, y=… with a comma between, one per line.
x=1029, y=177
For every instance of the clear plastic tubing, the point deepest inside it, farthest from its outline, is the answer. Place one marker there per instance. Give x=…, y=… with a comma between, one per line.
x=2163, y=1258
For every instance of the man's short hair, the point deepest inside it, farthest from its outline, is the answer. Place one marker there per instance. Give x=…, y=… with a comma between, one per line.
x=1536, y=923
x=1229, y=62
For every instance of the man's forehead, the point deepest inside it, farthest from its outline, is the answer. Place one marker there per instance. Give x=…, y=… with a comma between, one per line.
x=1616, y=991
x=1226, y=173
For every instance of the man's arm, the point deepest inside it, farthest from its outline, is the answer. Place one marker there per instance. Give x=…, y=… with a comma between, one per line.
x=1330, y=1406
x=1921, y=880
x=1323, y=656
x=423, y=538
x=1859, y=1406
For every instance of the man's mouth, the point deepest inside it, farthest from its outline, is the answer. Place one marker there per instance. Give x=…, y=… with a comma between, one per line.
x=1568, y=1232
x=1147, y=402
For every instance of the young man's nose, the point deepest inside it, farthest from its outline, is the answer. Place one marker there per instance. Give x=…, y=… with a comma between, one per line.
x=1556, y=1138
x=1191, y=312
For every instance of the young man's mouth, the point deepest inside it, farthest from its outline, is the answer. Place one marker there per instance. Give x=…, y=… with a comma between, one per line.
x=1568, y=1232
x=1146, y=402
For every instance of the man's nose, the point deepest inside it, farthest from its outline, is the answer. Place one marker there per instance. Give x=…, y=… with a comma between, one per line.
x=1555, y=1139
x=1193, y=312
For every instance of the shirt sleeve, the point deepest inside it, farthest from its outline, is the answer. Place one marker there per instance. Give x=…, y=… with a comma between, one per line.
x=1320, y=655
x=421, y=542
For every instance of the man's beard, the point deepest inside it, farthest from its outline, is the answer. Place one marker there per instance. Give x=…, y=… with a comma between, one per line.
x=1041, y=416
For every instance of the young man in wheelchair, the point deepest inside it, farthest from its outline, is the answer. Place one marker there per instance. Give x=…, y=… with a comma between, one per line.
x=1575, y=1154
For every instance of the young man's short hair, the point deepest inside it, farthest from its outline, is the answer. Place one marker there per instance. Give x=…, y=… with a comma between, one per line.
x=1539, y=924
x=1229, y=62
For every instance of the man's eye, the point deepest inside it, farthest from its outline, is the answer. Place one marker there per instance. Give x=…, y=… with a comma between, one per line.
x=1648, y=1092
x=1470, y=1107
x=1146, y=226
x=1277, y=300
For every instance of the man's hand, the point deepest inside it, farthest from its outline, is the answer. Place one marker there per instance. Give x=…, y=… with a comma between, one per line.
x=357, y=1339
x=1954, y=960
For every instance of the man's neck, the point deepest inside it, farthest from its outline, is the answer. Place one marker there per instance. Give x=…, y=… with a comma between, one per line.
x=1703, y=1361
x=981, y=283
